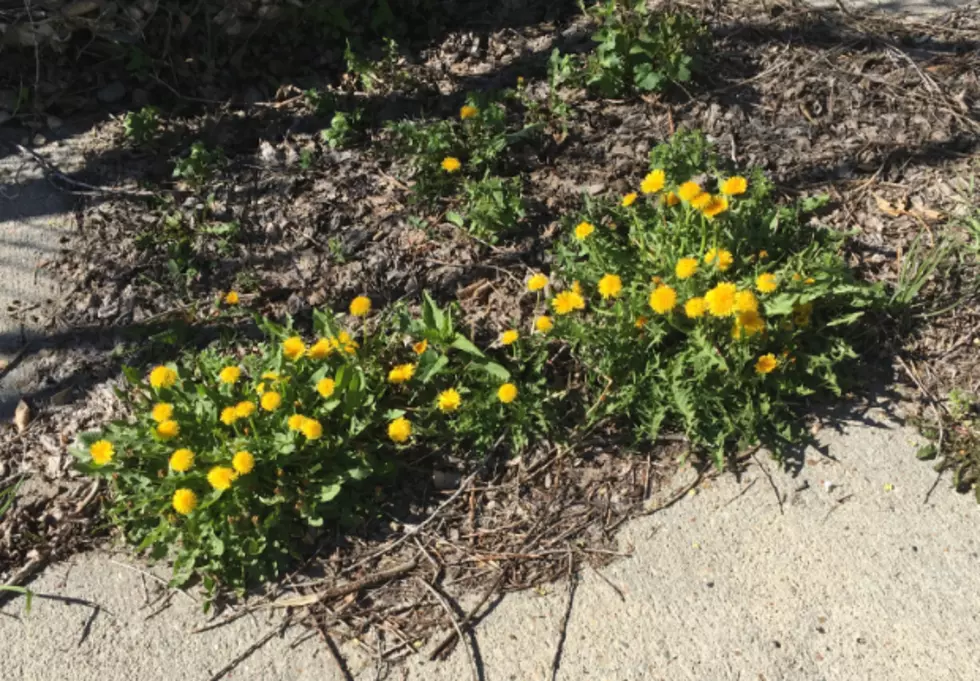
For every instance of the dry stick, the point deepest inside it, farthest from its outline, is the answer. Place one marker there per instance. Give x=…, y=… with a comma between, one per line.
x=344, y=589
x=451, y=637
x=334, y=651
x=771, y=482
x=939, y=420
x=619, y=592
x=251, y=649
x=415, y=530
x=51, y=170
x=455, y=622
x=24, y=574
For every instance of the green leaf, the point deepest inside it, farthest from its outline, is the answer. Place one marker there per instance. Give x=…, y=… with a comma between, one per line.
x=497, y=370
x=464, y=344
x=329, y=492
x=455, y=218
x=926, y=452
x=430, y=370
x=846, y=319
x=433, y=317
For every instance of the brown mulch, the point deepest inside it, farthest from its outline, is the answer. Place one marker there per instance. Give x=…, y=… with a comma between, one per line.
x=880, y=113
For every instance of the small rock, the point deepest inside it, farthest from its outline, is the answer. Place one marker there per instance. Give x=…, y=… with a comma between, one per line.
x=23, y=416
x=112, y=92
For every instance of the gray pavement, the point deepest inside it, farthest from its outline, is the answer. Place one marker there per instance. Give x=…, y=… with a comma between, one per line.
x=863, y=581
x=34, y=220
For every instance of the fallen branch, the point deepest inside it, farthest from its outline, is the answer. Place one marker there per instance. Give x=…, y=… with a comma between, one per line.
x=456, y=625
x=344, y=589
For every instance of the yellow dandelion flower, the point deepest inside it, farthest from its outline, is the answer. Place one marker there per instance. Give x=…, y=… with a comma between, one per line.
x=243, y=462
x=345, y=340
x=745, y=301
x=766, y=283
x=749, y=322
x=270, y=401
x=734, y=185
x=710, y=256
x=537, y=282
x=715, y=207
x=449, y=400
x=181, y=460
x=688, y=191
x=583, y=230
x=221, y=477
x=468, y=112
x=721, y=300
x=401, y=373
x=244, y=409
x=653, y=182
x=296, y=421
x=610, y=286
x=270, y=376
x=162, y=411
x=695, y=308
x=640, y=322
x=567, y=302
x=400, y=429
x=509, y=337
x=451, y=164
x=629, y=199
x=420, y=347
x=312, y=429
x=231, y=298
x=101, y=452
x=168, y=430
x=724, y=260
x=507, y=393
x=360, y=306
x=321, y=349
x=686, y=267
x=229, y=415
x=184, y=501
x=544, y=324
x=326, y=386
x=766, y=364
x=293, y=348
x=809, y=281
x=671, y=199
x=797, y=277
x=163, y=377
x=663, y=299
x=701, y=201
x=763, y=254
x=229, y=375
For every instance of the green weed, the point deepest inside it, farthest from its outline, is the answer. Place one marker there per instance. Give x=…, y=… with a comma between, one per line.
x=708, y=310
x=491, y=207
x=232, y=461
x=199, y=165
x=142, y=126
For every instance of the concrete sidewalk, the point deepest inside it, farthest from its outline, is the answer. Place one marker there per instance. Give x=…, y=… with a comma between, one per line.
x=862, y=582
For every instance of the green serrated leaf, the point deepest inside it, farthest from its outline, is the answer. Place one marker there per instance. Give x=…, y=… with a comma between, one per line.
x=464, y=344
